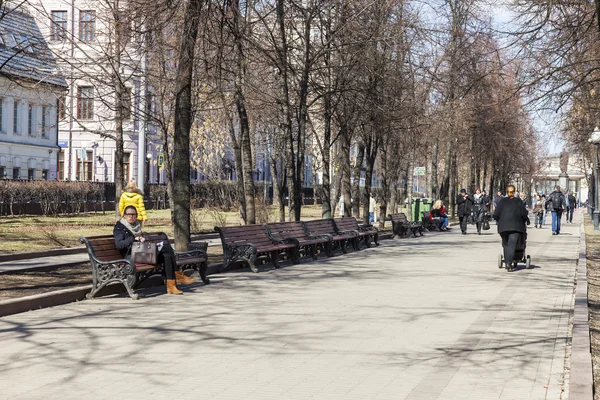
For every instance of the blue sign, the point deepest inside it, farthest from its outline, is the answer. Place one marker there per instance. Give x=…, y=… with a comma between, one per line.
x=63, y=144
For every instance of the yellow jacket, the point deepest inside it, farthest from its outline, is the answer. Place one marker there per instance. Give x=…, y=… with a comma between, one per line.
x=135, y=199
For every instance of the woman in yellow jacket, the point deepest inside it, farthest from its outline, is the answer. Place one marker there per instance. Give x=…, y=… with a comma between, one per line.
x=132, y=196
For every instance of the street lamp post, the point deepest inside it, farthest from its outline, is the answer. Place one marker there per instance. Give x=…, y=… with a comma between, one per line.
x=595, y=139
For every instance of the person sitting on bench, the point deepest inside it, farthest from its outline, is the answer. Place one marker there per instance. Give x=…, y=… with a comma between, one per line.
x=129, y=230
x=439, y=211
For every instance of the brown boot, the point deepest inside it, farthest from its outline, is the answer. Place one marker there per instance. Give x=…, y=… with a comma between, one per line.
x=172, y=287
x=183, y=279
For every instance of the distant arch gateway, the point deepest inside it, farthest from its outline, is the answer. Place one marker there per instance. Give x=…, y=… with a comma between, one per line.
x=551, y=168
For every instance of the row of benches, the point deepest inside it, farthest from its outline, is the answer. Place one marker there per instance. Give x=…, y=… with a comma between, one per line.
x=247, y=244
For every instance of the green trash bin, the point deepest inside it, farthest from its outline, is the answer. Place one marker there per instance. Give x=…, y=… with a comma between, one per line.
x=419, y=206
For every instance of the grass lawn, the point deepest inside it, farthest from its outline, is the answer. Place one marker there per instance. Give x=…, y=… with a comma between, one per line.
x=30, y=233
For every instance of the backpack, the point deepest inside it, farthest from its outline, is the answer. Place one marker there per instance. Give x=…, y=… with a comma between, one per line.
x=557, y=201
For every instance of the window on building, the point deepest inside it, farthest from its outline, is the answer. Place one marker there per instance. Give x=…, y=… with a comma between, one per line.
x=30, y=174
x=2, y=172
x=62, y=111
x=88, y=166
x=61, y=165
x=126, y=102
x=30, y=115
x=85, y=102
x=16, y=173
x=59, y=26
x=84, y=166
x=125, y=163
x=87, y=25
x=16, y=117
x=45, y=174
x=44, y=127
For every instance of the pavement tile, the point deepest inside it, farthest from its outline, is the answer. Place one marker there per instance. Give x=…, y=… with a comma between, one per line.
x=425, y=318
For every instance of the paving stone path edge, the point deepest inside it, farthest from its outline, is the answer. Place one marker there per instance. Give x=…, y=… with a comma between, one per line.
x=65, y=296
x=581, y=380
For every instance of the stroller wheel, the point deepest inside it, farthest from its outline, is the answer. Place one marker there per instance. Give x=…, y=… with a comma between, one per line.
x=528, y=262
x=500, y=261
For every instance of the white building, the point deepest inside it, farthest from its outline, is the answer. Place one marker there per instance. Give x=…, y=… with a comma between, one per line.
x=550, y=169
x=30, y=87
x=81, y=33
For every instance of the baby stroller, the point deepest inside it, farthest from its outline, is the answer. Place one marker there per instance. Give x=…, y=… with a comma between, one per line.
x=520, y=255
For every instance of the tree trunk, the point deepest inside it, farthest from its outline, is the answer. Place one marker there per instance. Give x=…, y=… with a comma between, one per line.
x=445, y=188
x=326, y=203
x=434, y=168
x=302, y=118
x=278, y=187
x=119, y=91
x=385, y=190
x=356, y=173
x=183, y=124
x=240, y=102
x=346, y=188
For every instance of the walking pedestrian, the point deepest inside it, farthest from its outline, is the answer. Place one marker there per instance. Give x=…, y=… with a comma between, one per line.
x=463, y=203
x=511, y=216
x=497, y=199
x=572, y=206
x=479, y=209
x=556, y=201
x=538, y=210
x=372, y=206
x=545, y=209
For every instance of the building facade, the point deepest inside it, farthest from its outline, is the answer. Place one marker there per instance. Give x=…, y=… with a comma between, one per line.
x=575, y=174
x=81, y=35
x=30, y=86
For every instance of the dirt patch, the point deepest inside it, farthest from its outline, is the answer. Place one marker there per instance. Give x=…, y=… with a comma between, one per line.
x=20, y=284
x=593, y=278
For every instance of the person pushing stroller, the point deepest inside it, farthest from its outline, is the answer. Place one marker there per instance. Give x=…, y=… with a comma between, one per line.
x=511, y=216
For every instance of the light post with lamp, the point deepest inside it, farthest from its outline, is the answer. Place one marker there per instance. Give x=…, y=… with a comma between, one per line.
x=149, y=167
x=595, y=140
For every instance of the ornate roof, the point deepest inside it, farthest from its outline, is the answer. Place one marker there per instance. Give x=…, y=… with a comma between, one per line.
x=23, y=50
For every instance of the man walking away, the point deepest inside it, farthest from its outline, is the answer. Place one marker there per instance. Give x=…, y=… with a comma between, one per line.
x=464, y=209
x=572, y=206
x=497, y=199
x=556, y=201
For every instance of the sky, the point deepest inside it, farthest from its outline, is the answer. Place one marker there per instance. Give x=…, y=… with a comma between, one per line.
x=543, y=122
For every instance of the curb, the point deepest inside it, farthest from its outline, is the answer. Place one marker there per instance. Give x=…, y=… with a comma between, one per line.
x=581, y=379
x=65, y=296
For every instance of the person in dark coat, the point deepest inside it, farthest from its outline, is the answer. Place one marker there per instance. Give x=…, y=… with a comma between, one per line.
x=571, y=206
x=512, y=216
x=556, y=203
x=463, y=203
x=129, y=230
x=479, y=209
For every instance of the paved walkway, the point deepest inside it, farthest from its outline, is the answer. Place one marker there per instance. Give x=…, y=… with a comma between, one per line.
x=426, y=318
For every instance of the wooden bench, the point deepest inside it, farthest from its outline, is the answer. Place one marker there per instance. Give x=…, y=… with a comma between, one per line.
x=327, y=227
x=108, y=265
x=306, y=243
x=401, y=226
x=431, y=223
x=364, y=232
x=247, y=242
